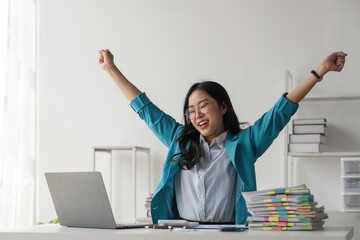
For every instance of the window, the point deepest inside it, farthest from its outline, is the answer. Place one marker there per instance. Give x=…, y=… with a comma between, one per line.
x=17, y=112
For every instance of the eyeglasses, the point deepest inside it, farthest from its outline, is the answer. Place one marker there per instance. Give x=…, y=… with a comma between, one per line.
x=202, y=108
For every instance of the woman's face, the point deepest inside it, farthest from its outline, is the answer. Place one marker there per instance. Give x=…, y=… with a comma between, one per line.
x=206, y=114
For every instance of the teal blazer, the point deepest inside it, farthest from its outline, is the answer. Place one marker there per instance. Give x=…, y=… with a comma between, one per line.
x=243, y=149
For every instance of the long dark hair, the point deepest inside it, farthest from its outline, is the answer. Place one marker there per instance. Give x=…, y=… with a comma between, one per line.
x=189, y=143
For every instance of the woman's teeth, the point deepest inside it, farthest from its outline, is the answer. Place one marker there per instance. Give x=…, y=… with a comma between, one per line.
x=202, y=123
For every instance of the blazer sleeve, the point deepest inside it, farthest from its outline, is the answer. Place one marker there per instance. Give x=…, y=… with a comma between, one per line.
x=267, y=128
x=162, y=125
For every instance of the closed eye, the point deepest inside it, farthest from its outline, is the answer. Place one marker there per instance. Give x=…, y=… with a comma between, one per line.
x=204, y=105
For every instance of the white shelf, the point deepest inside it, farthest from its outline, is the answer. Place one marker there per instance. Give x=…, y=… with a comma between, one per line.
x=134, y=150
x=325, y=154
x=349, y=97
x=351, y=193
x=351, y=210
x=350, y=176
x=350, y=161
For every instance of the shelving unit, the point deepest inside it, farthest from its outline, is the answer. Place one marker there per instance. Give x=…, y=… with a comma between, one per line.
x=350, y=197
x=350, y=176
x=110, y=150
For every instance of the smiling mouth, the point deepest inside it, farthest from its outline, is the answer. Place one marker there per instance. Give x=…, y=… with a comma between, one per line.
x=203, y=123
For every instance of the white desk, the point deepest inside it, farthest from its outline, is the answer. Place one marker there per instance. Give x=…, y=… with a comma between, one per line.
x=55, y=232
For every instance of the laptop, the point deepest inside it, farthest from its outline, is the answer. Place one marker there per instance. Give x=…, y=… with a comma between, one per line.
x=80, y=200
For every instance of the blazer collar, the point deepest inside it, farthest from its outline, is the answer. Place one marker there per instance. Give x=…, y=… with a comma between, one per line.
x=231, y=145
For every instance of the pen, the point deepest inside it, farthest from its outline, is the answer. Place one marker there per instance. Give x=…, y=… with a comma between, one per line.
x=160, y=227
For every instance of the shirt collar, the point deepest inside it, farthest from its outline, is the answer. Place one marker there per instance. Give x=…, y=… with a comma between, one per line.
x=219, y=140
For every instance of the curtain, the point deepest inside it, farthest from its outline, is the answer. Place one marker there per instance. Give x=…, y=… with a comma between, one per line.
x=17, y=112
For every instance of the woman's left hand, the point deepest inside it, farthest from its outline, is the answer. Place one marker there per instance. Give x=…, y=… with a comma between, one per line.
x=334, y=62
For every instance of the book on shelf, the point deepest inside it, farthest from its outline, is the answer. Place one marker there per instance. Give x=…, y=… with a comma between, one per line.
x=306, y=129
x=307, y=147
x=307, y=138
x=309, y=121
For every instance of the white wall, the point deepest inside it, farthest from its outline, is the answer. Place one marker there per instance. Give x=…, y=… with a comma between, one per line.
x=163, y=47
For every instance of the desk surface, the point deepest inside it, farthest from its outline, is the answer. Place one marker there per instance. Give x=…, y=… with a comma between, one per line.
x=56, y=232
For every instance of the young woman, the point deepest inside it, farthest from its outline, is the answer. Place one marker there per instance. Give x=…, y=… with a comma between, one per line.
x=211, y=160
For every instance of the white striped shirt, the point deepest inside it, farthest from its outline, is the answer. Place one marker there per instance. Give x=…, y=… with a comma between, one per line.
x=206, y=192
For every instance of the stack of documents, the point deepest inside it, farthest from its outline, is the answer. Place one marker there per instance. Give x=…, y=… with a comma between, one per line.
x=284, y=209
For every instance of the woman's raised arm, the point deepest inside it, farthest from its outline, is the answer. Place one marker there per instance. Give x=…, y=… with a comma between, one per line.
x=106, y=61
x=334, y=62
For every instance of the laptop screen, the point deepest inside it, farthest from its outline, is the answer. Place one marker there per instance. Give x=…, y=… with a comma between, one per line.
x=80, y=199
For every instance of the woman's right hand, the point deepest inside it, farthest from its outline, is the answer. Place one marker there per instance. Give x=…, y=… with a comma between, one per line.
x=106, y=59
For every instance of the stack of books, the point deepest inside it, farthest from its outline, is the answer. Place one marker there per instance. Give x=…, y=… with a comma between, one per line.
x=284, y=209
x=309, y=135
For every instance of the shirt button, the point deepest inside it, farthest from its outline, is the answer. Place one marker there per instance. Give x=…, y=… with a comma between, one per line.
x=201, y=196
x=201, y=177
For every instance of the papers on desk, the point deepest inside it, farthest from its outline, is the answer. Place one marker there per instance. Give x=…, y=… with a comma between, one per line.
x=178, y=224
x=213, y=227
x=218, y=226
x=284, y=209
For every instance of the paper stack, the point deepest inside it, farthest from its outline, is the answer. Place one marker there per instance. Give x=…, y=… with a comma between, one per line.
x=309, y=135
x=284, y=209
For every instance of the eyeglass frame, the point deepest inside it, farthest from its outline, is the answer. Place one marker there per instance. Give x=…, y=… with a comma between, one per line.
x=197, y=109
